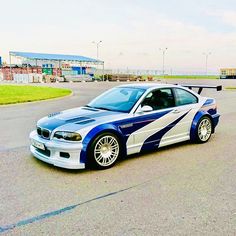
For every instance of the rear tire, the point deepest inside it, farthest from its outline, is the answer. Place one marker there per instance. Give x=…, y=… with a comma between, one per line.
x=104, y=151
x=204, y=130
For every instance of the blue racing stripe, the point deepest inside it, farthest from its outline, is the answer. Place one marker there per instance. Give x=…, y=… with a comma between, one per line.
x=154, y=140
x=122, y=128
x=208, y=102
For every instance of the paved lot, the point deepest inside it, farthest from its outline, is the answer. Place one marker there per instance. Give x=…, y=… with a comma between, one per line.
x=185, y=189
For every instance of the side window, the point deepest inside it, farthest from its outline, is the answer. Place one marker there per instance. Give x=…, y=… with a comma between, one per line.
x=184, y=97
x=159, y=99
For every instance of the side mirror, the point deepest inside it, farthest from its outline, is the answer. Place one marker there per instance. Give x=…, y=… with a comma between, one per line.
x=146, y=108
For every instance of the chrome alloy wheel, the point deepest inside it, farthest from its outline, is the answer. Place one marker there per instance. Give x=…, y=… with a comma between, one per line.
x=204, y=129
x=106, y=150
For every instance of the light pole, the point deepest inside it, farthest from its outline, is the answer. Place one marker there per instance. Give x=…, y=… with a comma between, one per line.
x=97, y=44
x=163, y=59
x=207, y=54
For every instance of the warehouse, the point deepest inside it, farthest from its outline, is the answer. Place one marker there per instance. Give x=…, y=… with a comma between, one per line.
x=42, y=67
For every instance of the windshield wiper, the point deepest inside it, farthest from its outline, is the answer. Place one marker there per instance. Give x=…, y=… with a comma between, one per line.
x=88, y=106
x=103, y=108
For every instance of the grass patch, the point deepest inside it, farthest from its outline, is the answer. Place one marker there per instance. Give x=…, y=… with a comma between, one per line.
x=230, y=88
x=186, y=77
x=10, y=94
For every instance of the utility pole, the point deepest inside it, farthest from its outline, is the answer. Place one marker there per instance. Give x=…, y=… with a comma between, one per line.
x=206, y=54
x=163, y=50
x=97, y=45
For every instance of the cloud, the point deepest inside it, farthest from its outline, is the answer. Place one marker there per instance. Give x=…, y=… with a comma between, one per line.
x=131, y=34
x=227, y=16
x=148, y=31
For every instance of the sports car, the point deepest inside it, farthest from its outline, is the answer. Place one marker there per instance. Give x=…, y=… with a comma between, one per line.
x=124, y=120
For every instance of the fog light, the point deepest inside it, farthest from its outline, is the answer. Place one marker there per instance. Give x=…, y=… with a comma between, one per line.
x=65, y=155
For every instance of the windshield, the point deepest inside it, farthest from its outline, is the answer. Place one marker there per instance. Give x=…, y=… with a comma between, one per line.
x=117, y=99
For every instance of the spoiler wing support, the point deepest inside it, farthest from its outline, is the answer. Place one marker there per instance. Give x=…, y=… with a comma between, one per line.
x=201, y=87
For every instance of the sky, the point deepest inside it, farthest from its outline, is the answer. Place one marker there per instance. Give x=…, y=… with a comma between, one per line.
x=132, y=32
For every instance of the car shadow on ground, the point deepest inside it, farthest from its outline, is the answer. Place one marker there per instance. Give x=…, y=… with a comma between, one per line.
x=121, y=161
x=50, y=167
x=161, y=150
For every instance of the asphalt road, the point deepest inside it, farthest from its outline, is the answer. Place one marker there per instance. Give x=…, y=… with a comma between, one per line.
x=185, y=189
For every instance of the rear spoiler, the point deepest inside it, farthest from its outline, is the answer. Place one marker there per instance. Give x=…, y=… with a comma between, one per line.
x=201, y=87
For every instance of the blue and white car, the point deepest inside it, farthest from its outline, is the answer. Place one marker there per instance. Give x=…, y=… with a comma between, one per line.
x=124, y=120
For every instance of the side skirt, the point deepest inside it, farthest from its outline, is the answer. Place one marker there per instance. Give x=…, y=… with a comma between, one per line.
x=137, y=148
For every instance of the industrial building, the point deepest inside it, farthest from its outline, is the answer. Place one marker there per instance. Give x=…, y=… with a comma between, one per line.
x=228, y=73
x=38, y=67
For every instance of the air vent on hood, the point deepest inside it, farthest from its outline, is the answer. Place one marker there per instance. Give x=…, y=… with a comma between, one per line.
x=85, y=122
x=77, y=119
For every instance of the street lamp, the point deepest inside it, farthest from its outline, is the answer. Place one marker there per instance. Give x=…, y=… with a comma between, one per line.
x=97, y=44
x=163, y=59
x=207, y=54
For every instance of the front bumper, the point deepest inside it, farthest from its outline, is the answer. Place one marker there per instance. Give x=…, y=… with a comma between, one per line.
x=54, y=148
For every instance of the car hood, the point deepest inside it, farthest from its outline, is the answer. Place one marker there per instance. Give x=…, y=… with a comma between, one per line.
x=78, y=118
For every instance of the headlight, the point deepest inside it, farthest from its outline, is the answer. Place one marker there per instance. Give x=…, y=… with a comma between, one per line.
x=69, y=136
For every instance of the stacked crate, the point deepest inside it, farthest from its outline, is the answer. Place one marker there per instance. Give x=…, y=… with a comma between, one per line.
x=77, y=70
x=28, y=78
x=90, y=71
x=47, y=69
x=8, y=73
x=57, y=72
x=1, y=75
x=67, y=70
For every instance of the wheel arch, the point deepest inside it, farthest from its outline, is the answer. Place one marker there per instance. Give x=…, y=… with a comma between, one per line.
x=195, y=122
x=105, y=128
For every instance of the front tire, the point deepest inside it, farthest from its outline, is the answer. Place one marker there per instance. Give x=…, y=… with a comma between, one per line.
x=104, y=151
x=204, y=130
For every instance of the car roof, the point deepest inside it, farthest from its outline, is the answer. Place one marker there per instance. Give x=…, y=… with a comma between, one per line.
x=146, y=85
